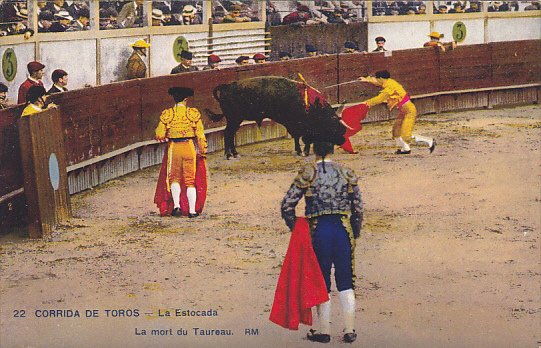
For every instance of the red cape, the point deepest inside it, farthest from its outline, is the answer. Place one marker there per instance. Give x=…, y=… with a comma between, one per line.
x=163, y=198
x=301, y=285
x=353, y=117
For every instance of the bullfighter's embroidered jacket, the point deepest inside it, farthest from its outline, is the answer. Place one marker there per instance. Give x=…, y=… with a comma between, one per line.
x=332, y=189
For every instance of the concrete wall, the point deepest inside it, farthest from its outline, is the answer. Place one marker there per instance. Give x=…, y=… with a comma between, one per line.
x=24, y=54
x=77, y=58
x=510, y=29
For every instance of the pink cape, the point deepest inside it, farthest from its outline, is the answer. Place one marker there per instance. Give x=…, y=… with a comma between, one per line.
x=353, y=116
x=163, y=198
x=301, y=285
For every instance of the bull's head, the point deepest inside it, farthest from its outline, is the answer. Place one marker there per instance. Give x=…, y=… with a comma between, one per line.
x=324, y=124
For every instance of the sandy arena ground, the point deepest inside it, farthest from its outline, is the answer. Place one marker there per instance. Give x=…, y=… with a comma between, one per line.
x=449, y=255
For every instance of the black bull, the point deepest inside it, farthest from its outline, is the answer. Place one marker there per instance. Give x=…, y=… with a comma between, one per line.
x=279, y=99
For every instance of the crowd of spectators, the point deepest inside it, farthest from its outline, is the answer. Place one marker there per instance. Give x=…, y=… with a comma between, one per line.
x=315, y=12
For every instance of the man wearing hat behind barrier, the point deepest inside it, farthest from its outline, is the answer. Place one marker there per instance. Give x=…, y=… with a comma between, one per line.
x=396, y=96
x=35, y=70
x=380, y=43
x=311, y=51
x=136, y=66
x=350, y=47
x=181, y=127
x=36, y=101
x=63, y=22
x=259, y=58
x=189, y=16
x=334, y=208
x=60, y=81
x=243, y=60
x=435, y=42
x=3, y=96
x=213, y=62
x=284, y=56
x=185, y=63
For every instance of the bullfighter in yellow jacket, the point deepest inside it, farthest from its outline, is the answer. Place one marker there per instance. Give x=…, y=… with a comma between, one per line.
x=182, y=128
x=396, y=96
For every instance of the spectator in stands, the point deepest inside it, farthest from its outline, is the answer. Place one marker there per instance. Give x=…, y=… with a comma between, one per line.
x=284, y=56
x=442, y=9
x=243, y=60
x=36, y=71
x=36, y=101
x=189, y=16
x=76, y=7
x=350, y=47
x=63, y=22
x=273, y=16
x=534, y=6
x=157, y=17
x=168, y=18
x=60, y=81
x=83, y=20
x=299, y=17
x=45, y=20
x=474, y=7
x=259, y=58
x=380, y=44
x=213, y=62
x=136, y=67
x=457, y=8
x=56, y=6
x=108, y=18
x=311, y=51
x=185, y=63
x=336, y=17
x=3, y=96
x=131, y=14
x=435, y=42
x=234, y=16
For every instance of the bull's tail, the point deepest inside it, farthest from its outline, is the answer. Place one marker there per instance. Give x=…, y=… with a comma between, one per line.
x=216, y=93
x=214, y=117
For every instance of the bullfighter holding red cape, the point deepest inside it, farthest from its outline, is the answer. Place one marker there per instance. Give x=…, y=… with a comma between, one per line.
x=182, y=183
x=335, y=212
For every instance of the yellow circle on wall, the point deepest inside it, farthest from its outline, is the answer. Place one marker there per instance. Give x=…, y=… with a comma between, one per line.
x=459, y=32
x=180, y=44
x=9, y=64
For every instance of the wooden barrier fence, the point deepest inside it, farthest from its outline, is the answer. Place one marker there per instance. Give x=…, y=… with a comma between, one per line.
x=108, y=130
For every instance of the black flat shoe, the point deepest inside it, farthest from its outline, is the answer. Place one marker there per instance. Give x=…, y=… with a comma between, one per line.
x=317, y=337
x=433, y=145
x=193, y=215
x=400, y=152
x=350, y=337
x=176, y=212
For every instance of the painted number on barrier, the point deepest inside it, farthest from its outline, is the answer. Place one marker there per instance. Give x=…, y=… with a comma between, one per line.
x=181, y=44
x=459, y=32
x=9, y=64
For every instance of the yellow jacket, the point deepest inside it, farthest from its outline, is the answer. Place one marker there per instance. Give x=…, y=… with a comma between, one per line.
x=181, y=121
x=392, y=93
x=30, y=110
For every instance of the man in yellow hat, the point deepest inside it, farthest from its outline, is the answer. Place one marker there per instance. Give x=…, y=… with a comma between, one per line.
x=435, y=42
x=136, y=66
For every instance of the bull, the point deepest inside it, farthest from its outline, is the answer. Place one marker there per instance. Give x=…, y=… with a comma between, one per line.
x=282, y=100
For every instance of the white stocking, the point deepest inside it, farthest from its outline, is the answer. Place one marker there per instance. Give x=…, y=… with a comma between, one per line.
x=175, y=192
